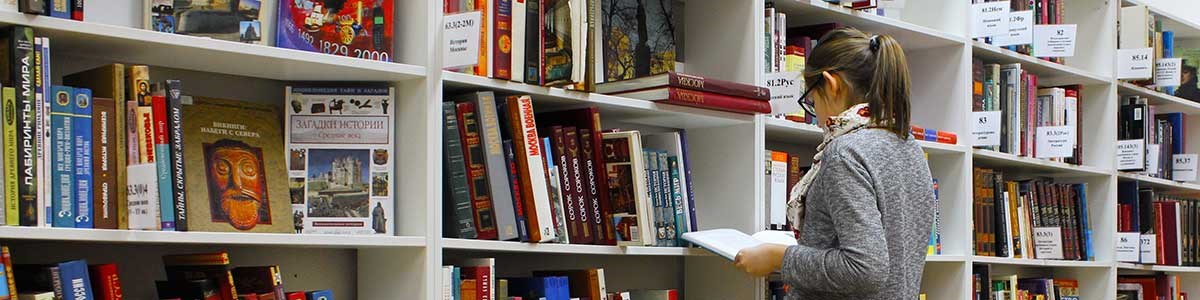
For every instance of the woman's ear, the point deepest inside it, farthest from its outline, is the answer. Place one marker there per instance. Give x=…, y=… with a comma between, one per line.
x=833, y=84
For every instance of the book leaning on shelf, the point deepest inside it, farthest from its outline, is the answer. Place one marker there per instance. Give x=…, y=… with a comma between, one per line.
x=1032, y=218
x=514, y=175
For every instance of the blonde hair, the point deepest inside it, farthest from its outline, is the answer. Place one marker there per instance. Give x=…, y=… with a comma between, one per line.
x=874, y=67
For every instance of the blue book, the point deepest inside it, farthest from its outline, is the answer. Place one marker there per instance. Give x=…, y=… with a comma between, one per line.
x=687, y=172
x=162, y=158
x=1084, y=222
x=457, y=277
x=1177, y=125
x=677, y=200
x=60, y=8
x=4, y=292
x=62, y=168
x=557, y=288
x=548, y=288
x=44, y=87
x=73, y=276
x=320, y=295
x=1168, y=49
x=82, y=128
x=514, y=183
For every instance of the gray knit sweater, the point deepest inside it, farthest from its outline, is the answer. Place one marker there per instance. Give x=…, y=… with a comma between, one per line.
x=868, y=217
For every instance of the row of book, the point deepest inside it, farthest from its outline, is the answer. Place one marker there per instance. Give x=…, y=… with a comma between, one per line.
x=1012, y=287
x=558, y=177
x=1159, y=136
x=1150, y=287
x=1024, y=108
x=1008, y=214
x=1045, y=12
x=782, y=171
x=1140, y=29
x=106, y=150
x=471, y=279
x=1167, y=226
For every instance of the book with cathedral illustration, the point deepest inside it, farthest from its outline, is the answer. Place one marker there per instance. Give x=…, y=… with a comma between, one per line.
x=234, y=167
x=339, y=164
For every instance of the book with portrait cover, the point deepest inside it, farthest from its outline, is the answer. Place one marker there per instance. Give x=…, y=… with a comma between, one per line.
x=355, y=28
x=339, y=163
x=230, y=20
x=234, y=161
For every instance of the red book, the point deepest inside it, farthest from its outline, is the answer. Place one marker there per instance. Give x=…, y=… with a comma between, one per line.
x=77, y=10
x=481, y=200
x=587, y=121
x=1148, y=283
x=570, y=199
x=1170, y=233
x=159, y=105
x=583, y=202
x=482, y=276
x=248, y=297
x=691, y=82
x=295, y=296
x=502, y=40
x=678, y=96
x=105, y=283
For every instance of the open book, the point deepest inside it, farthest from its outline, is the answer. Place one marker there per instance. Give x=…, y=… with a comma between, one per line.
x=728, y=242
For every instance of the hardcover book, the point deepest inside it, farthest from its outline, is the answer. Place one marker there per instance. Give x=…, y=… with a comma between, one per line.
x=104, y=165
x=356, y=28
x=175, y=139
x=639, y=38
x=11, y=196
x=692, y=82
x=457, y=222
x=109, y=82
x=230, y=20
x=631, y=207
x=595, y=178
x=339, y=142
x=105, y=282
x=202, y=266
x=488, y=118
x=162, y=162
x=81, y=127
x=531, y=168
x=241, y=185
x=18, y=71
x=73, y=276
x=62, y=170
x=261, y=280
x=477, y=180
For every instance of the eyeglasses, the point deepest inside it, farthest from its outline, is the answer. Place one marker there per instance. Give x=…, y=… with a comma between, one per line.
x=805, y=103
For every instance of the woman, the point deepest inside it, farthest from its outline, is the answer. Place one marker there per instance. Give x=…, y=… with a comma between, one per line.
x=866, y=206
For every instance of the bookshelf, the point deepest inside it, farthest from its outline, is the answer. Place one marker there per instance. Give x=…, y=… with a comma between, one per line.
x=727, y=147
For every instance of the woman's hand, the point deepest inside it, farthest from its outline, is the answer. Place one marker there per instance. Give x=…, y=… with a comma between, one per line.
x=760, y=260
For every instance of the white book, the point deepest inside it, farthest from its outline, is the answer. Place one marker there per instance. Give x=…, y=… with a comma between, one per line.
x=779, y=188
x=780, y=41
x=556, y=194
x=143, y=196
x=517, y=65
x=579, y=39
x=769, y=40
x=1008, y=240
x=1134, y=29
x=447, y=280
x=633, y=214
x=536, y=175
x=728, y=242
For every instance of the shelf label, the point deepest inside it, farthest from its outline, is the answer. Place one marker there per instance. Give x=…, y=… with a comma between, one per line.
x=1128, y=249
x=1020, y=30
x=1184, y=167
x=1054, y=40
x=986, y=129
x=1131, y=155
x=786, y=88
x=1166, y=71
x=1055, y=141
x=1152, y=158
x=989, y=19
x=1149, y=256
x=460, y=39
x=1135, y=63
x=1047, y=242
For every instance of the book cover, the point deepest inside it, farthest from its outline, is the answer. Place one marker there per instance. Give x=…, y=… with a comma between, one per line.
x=162, y=162
x=230, y=20
x=339, y=143
x=142, y=191
x=533, y=42
x=631, y=217
x=11, y=195
x=241, y=185
x=587, y=121
x=639, y=39
x=531, y=168
x=359, y=28
x=202, y=266
x=18, y=73
x=103, y=158
x=259, y=280
x=73, y=276
x=81, y=127
x=109, y=82
x=105, y=282
x=490, y=134
x=62, y=171
x=458, y=220
x=557, y=47
x=477, y=181
x=581, y=209
x=60, y=9
x=174, y=114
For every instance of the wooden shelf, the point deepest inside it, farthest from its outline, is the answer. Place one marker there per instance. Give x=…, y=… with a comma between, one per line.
x=519, y=247
x=1049, y=74
x=208, y=238
x=1005, y=161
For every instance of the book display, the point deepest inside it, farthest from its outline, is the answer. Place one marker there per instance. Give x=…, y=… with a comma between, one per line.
x=598, y=149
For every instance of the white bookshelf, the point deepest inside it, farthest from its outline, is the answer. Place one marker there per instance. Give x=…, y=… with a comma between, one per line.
x=723, y=40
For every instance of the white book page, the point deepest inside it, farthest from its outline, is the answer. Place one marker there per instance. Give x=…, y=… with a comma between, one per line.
x=728, y=242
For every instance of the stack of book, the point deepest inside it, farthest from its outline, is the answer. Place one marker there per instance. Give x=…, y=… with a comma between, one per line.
x=1159, y=135
x=1008, y=214
x=783, y=170
x=1168, y=225
x=1045, y=12
x=514, y=175
x=696, y=91
x=1024, y=108
x=1011, y=287
x=1147, y=287
x=476, y=279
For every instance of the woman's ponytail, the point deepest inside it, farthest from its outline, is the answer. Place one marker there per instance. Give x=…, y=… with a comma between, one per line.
x=888, y=93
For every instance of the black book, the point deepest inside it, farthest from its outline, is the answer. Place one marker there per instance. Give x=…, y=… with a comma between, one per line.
x=199, y=289
x=19, y=73
x=458, y=220
x=533, y=43
x=36, y=7
x=1000, y=228
x=175, y=134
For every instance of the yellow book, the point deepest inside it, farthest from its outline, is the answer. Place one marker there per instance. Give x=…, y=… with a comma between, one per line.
x=11, y=206
x=145, y=126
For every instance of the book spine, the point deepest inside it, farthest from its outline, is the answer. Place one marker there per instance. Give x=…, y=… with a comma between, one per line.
x=567, y=190
x=677, y=199
x=62, y=171
x=105, y=282
x=517, y=57
x=497, y=169
x=556, y=193
x=533, y=42
x=484, y=66
x=145, y=134
x=33, y=7
x=77, y=10
x=162, y=161
x=139, y=85
x=717, y=86
x=529, y=162
x=502, y=40
x=82, y=127
x=668, y=209
x=56, y=279
x=6, y=258
x=583, y=200
x=104, y=185
x=590, y=145
x=716, y=101
x=691, y=191
x=11, y=195
x=651, y=176
x=119, y=144
x=481, y=200
x=21, y=49
x=514, y=184
x=457, y=194
x=42, y=134
x=132, y=144
x=175, y=138
x=60, y=9
x=74, y=279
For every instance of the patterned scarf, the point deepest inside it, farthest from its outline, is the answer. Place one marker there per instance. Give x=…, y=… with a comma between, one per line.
x=851, y=120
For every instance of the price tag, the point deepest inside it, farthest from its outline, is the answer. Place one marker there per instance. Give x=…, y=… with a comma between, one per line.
x=1135, y=63
x=1128, y=247
x=1055, y=141
x=1149, y=256
x=1184, y=167
x=1047, y=242
x=786, y=88
x=987, y=128
x=1152, y=158
x=1054, y=40
x=1131, y=155
x=989, y=19
x=460, y=39
x=1167, y=71
x=1020, y=30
